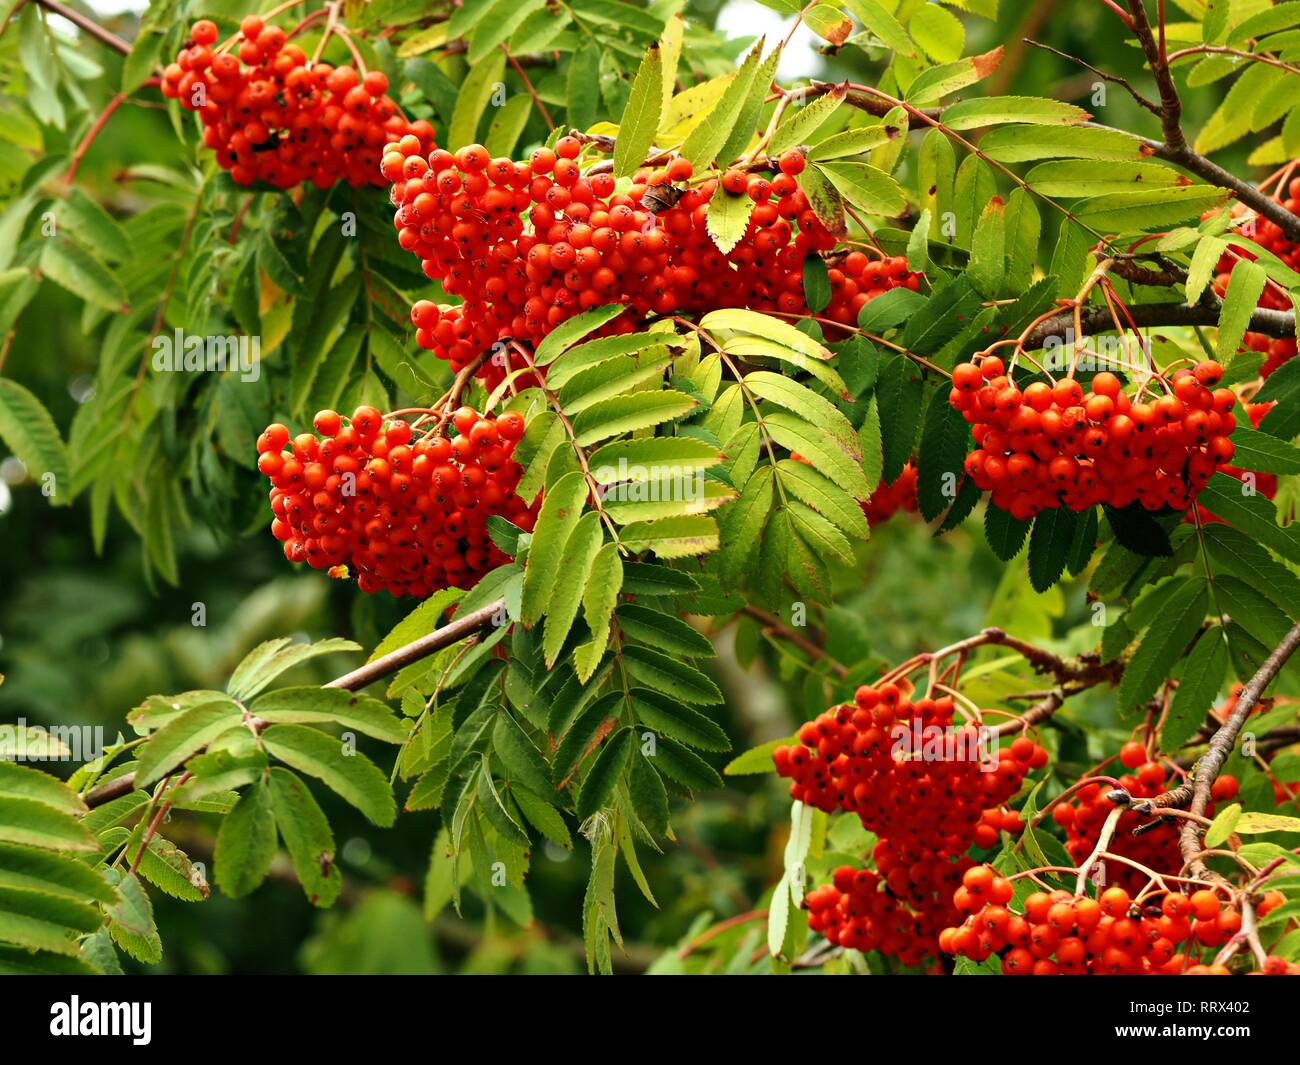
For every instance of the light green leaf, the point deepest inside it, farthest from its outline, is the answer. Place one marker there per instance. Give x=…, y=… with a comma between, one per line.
x=343, y=769
x=561, y=509
x=641, y=117
x=246, y=842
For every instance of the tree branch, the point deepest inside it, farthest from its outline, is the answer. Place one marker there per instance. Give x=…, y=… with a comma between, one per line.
x=1097, y=319
x=1200, y=780
x=386, y=666
x=88, y=25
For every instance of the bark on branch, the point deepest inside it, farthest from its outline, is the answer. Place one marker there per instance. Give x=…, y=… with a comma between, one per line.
x=1194, y=792
x=469, y=625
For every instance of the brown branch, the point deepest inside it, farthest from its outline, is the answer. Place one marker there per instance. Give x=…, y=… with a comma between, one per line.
x=1114, y=78
x=1194, y=792
x=528, y=87
x=1171, y=107
x=385, y=666
x=1098, y=320
x=89, y=25
x=776, y=627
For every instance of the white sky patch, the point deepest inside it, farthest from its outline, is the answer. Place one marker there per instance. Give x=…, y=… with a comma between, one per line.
x=747, y=18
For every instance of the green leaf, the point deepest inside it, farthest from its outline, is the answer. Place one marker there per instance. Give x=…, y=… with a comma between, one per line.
x=781, y=390
x=39, y=870
x=561, y=510
x=1223, y=825
x=641, y=459
x=798, y=127
x=1049, y=545
x=663, y=631
x=1137, y=531
x=670, y=676
x=1145, y=209
x=641, y=117
x=1163, y=644
x=94, y=227
x=645, y=788
x=939, y=33
x=743, y=522
x=828, y=22
x=1262, y=452
x=899, y=394
x=883, y=25
x=757, y=759
x=1198, y=686
x=312, y=706
x=307, y=837
x=943, y=316
x=598, y=599
x=575, y=564
x=489, y=801
x=1253, y=515
x=36, y=920
x=183, y=736
x=823, y=496
x=944, y=440
x=1251, y=610
x=1065, y=179
x=1252, y=823
x=935, y=83
x=344, y=770
x=475, y=95
x=595, y=722
x=865, y=187
x=268, y=660
x=496, y=25
x=727, y=218
x=624, y=414
x=523, y=762
x=598, y=785
x=1005, y=534
x=1245, y=285
x=419, y=622
x=246, y=842
x=131, y=922
x=33, y=823
x=683, y=537
x=737, y=323
x=582, y=357
x=28, y=430
x=706, y=140
x=999, y=110
x=543, y=816
x=75, y=269
x=684, y=766
x=829, y=455
x=1025, y=143
x=678, y=722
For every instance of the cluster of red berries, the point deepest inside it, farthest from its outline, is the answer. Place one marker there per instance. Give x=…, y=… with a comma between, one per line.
x=1269, y=236
x=407, y=515
x=1157, y=848
x=1058, y=446
x=1114, y=934
x=926, y=789
x=888, y=499
x=527, y=245
x=272, y=116
x=1265, y=483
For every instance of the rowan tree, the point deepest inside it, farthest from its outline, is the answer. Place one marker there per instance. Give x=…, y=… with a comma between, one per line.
x=574, y=351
